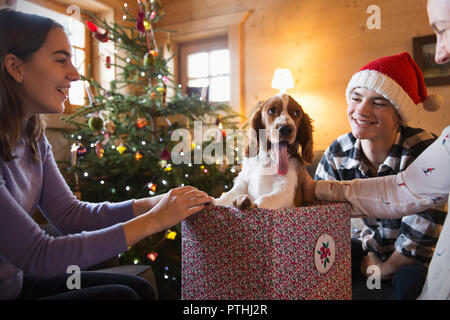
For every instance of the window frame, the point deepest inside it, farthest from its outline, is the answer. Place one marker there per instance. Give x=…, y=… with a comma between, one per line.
x=230, y=25
x=197, y=46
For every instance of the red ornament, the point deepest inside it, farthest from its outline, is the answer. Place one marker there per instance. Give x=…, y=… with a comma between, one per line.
x=99, y=150
x=138, y=156
x=108, y=62
x=152, y=256
x=81, y=151
x=102, y=37
x=140, y=21
x=141, y=123
x=165, y=155
x=91, y=26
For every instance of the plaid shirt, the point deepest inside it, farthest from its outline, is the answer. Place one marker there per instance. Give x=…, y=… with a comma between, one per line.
x=414, y=235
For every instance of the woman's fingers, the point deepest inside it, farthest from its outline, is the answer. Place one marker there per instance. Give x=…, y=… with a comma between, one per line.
x=192, y=194
x=196, y=201
x=181, y=190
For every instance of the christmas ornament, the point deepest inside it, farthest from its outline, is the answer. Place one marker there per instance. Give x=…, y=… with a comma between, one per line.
x=147, y=59
x=121, y=148
x=100, y=34
x=81, y=151
x=152, y=256
x=138, y=156
x=152, y=186
x=141, y=123
x=110, y=126
x=140, y=21
x=162, y=164
x=165, y=154
x=171, y=235
x=99, y=150
x=95, y=123
x=108, y=62
x=91, y=26
x=153, y=52
x=102, y=37
x=147, y=25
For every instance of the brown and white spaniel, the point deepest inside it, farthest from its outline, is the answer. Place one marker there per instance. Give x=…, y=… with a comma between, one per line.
x=273, y=168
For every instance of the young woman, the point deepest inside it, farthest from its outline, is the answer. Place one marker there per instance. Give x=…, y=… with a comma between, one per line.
x=381, y=98
x=35, y=75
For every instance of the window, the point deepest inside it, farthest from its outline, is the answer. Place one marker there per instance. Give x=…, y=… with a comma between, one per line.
x=77, y=36
x=207, y=64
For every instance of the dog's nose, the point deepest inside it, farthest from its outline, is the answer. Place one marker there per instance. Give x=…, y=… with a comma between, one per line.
x=285, y=130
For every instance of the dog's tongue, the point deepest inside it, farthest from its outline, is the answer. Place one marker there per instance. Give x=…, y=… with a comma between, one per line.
x=282, y=158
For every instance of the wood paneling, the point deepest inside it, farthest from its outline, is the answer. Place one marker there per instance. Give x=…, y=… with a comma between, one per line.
x=323, y=43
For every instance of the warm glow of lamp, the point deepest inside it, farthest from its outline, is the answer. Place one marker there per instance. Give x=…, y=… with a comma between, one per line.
x=282, y=80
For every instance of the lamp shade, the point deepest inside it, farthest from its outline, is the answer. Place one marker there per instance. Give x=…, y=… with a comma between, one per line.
x=282, y=80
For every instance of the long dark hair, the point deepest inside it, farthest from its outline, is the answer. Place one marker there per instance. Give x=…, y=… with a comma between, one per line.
x=21, y=34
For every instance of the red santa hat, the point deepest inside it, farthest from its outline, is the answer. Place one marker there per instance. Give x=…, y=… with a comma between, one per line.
x=398, y=79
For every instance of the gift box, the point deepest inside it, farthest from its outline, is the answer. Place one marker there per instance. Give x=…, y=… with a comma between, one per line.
x=298, y=253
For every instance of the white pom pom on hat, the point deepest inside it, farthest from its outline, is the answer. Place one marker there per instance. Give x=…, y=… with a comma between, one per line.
x=398, y=79
x=433, y=102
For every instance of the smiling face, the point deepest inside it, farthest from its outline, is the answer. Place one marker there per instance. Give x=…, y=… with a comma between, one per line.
x=439, y=17
x=47, y=75
x=371, y=116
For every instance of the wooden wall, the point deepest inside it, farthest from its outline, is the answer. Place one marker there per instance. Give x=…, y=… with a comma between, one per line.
x=322, y=42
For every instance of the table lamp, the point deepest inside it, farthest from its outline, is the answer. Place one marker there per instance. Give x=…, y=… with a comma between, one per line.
x=282, y=80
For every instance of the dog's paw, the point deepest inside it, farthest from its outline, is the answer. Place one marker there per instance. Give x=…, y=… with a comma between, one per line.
x=244, y=202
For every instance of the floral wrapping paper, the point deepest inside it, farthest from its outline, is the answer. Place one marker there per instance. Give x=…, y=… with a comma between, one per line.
x=266, y=254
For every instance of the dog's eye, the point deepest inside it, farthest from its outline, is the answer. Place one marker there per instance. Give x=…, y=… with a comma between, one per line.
x=272, y=110
x=296, y=113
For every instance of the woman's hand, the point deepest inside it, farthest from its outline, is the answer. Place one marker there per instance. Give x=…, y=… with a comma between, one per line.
x=172, y=207
x=176, y=205
x=309, y=188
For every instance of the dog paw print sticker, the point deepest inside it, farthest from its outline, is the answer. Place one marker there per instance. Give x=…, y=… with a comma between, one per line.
x=324, y=253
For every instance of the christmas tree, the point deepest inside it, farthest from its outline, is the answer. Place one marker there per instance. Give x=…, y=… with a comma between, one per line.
x=121, y=148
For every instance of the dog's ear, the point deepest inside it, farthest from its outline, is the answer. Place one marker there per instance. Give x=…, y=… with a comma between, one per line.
x=255, y=124
x=305, y=138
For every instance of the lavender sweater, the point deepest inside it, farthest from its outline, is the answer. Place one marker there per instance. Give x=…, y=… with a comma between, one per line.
x=24, y=247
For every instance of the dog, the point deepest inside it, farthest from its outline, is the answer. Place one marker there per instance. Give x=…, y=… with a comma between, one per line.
x=273, y=177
